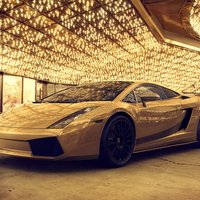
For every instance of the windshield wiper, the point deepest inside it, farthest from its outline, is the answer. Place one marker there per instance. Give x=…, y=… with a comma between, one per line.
x=37, y=101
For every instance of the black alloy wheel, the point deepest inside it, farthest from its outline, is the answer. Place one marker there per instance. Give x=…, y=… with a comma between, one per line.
x=117, y=142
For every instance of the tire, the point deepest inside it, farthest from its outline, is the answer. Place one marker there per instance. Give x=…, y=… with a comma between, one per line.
x=117, y=142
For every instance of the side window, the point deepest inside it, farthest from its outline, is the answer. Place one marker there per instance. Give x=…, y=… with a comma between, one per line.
x=130, y=98
x=139, y=91
x=144, y=89
x=170, y=93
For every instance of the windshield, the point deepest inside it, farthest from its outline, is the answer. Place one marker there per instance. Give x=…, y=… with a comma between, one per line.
x=102, y=91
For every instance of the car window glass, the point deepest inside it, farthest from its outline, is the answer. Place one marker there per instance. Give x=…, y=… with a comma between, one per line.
x=100, y=91
x=170, y=93
x=130, y=98
x=145, y=89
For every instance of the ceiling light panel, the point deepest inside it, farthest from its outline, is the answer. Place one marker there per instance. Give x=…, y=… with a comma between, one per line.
x=76, y=41
x=95, y=36
x=60, y=14
x=3, y=49
x=26, y=33
x=81, y=6
x=95, y=15
x=9, y=4
x=74, y=22
x=125, y=17
x=44, y=6
x=5, y=37
x=103, y=41
x=22, y=13
x=83, y=31
x=66, y=2
x=103, y=2
x=118, y=6
x=7, y=22
x=39, y=22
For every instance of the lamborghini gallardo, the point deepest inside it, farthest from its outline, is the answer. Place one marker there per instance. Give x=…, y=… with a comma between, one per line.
x=108, y=121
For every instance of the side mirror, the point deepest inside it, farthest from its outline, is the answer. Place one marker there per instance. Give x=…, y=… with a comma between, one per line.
x=149, y=96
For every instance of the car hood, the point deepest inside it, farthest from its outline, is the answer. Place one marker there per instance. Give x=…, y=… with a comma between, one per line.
x=40, y=115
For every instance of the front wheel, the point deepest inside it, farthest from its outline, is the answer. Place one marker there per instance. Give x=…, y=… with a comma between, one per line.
x=117, y=142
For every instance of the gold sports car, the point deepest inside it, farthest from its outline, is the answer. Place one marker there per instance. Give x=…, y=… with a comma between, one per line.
x=106, y=120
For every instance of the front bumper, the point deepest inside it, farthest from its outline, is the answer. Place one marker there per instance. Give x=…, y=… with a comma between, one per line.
x=31, y=143
x=77, y=142
x=48, y=148
x=15, y=148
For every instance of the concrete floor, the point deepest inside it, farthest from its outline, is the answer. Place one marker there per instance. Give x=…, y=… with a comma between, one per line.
x=172, y=173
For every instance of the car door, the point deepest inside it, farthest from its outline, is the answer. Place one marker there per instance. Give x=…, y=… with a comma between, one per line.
x=159, y=121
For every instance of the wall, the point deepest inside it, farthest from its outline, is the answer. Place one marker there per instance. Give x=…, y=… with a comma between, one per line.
x=15, y=90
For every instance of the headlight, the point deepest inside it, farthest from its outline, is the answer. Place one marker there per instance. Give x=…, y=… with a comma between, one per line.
x=67, y=120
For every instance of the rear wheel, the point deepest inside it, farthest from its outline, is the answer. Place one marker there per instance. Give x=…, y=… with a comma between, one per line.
x=117, y=141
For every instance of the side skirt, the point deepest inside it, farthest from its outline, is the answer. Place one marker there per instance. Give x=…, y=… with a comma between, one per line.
x=163, y=147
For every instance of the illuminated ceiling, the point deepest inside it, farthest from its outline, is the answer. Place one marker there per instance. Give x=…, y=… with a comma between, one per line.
x=76, y=41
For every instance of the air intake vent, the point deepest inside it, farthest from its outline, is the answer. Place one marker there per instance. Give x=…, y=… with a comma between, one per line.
x=46, y=147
